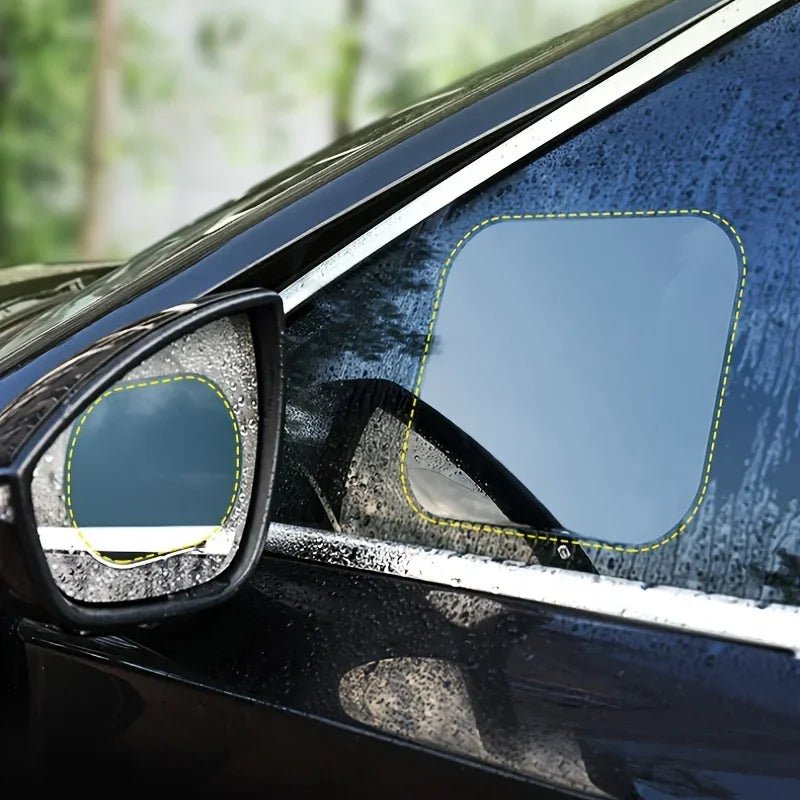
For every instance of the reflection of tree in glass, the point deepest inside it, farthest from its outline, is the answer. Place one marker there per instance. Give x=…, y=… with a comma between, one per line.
x=371, y=323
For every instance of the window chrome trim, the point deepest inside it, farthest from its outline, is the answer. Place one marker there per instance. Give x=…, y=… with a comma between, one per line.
x=685, y=610
x=720, y=616
x=649, y=66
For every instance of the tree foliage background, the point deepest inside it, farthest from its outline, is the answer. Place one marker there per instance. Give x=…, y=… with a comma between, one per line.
x=121, y=120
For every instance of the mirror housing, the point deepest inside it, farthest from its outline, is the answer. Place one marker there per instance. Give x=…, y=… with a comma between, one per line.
x=32, y=423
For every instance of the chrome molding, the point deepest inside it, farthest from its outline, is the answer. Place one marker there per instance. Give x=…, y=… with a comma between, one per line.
x=665, y=606
x=682, y=609
x=617, y=86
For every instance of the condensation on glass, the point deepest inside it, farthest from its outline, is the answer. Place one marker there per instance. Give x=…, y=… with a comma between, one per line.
x=147, y=491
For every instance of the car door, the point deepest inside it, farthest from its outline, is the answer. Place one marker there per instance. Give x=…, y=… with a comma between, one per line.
x=536, y=506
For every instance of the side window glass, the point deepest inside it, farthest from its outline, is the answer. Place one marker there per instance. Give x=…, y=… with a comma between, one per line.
x=590, y=362
x=585, y=354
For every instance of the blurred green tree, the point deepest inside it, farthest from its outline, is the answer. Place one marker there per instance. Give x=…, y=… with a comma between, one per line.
x=45, y=63
x=366, y=58
x=350, y=54
x=66, y=70
x=103, y=89
x=88, y=89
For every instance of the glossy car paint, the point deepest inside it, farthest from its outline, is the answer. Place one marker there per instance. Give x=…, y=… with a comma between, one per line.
x=640, y=708
x=251, y=694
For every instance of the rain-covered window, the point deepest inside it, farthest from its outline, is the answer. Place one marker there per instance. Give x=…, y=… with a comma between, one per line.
x=612, y=379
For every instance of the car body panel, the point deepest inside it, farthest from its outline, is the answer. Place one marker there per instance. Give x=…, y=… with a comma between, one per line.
x=547, y=693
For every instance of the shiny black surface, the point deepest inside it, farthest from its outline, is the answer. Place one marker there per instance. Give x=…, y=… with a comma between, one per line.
x=137, y=734
x=641, y=712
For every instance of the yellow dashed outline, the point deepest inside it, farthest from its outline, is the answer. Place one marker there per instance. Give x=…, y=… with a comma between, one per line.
x=483, y=528
x=140, y=385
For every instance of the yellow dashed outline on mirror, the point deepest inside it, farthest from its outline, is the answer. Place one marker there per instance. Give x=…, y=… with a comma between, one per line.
x=141, y=385
x=555, y=539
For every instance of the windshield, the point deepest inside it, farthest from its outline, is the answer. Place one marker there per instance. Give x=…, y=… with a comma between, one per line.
x=194, y=241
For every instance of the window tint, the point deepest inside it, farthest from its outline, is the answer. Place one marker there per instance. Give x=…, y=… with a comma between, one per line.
x=592, y=361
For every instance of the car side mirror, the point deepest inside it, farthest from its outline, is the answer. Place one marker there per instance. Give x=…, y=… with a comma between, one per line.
x=137, y=477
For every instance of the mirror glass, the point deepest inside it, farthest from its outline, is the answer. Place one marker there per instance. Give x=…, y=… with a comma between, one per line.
x=147, y=491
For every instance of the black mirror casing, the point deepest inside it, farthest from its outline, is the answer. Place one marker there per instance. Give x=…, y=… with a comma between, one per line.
x=36, y=418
